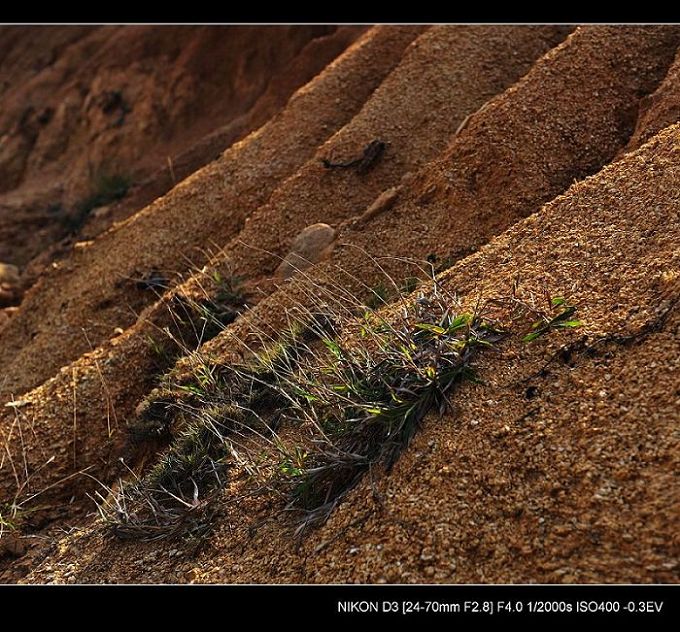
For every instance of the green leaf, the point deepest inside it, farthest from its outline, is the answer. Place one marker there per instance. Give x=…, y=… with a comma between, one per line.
x=558, y=300
x=333, y=347
x=435, y=329
x=570, y=323
x=375, y=411
x=563, y=315
x=532, y=336
x=306, y=394
x=395, y=398
x=480, y=341
x=458, y=322
x=406, y=353
x=190, y=388
x=288, y=469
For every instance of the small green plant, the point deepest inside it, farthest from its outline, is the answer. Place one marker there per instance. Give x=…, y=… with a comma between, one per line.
x=293, y=464
x=369, y=401
x=155, y=346
x=226, y=399
x=12, y=517
x=8, y=520
x=548, y=322
x=107, y=188
x=365, y=401
x=222, y=306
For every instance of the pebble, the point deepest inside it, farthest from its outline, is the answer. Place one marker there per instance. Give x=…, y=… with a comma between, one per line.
x=9, y=274
x=313, y=244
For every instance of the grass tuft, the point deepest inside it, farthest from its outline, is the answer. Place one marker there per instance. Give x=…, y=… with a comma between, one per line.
x=362, y=405
x=307, y=414
x=369, y=400
x=559, y=317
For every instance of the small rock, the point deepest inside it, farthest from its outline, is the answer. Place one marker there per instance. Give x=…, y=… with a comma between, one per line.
x=10, y=285
x=9, y=274
x=311, y=245
x=384, y=202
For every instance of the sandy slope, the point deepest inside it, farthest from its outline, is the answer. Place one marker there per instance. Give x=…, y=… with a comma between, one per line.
x=91, y=289
x=558, y=467
x=659, y=109
x=110, y=381
x=521, y=150
x=574, y=484
x=80, y=103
